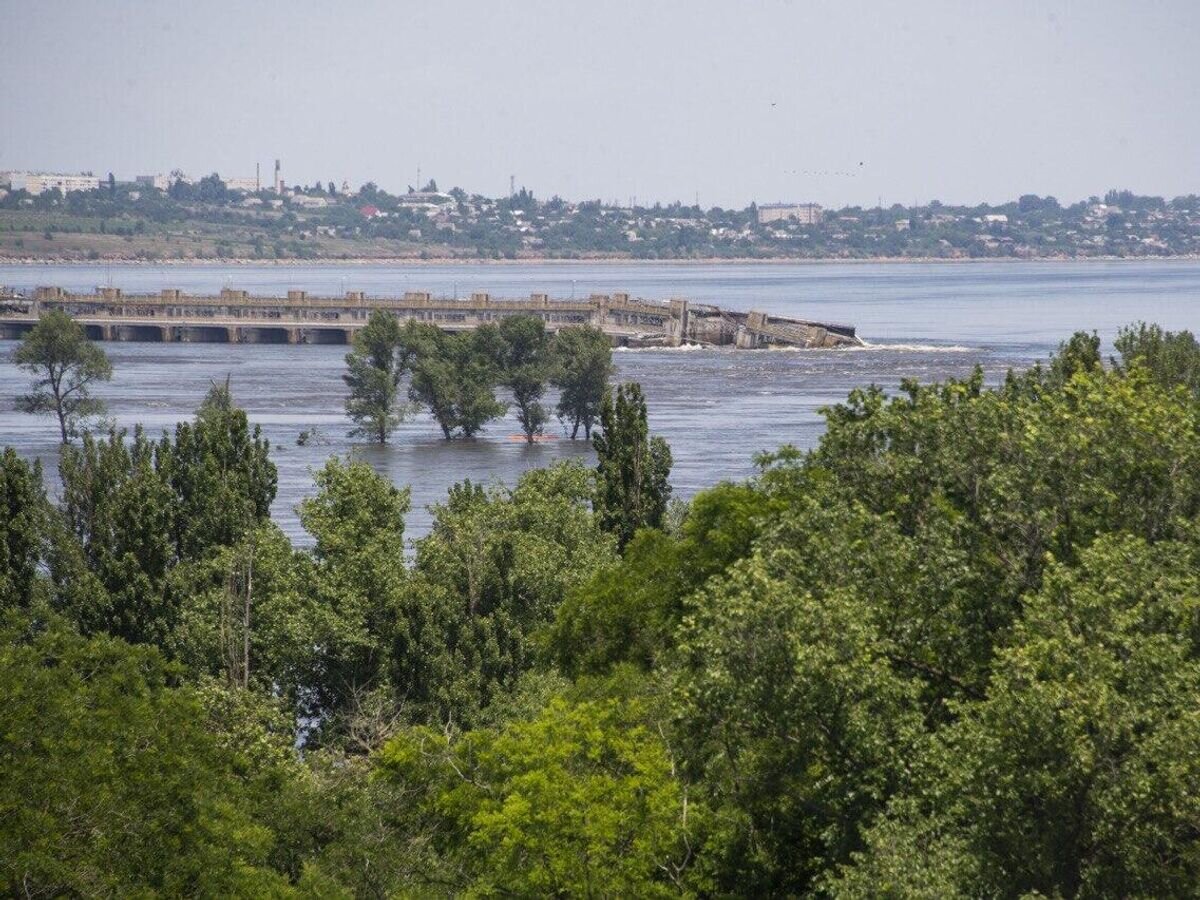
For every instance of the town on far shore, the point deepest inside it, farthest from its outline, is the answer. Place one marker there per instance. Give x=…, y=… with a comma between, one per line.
x=78, y=217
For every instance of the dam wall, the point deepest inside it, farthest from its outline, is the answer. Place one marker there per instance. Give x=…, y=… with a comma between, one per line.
x=237, y=317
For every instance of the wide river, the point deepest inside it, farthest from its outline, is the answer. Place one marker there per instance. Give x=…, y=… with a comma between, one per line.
x=716, y=407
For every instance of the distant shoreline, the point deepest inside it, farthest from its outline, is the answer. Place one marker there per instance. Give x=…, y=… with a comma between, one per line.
x=363, y=262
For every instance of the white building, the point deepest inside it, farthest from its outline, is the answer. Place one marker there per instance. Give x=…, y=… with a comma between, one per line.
x=804, y=213
x=309, y=202
x=39, y=183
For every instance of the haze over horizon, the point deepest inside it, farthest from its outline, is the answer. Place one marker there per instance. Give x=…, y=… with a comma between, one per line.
x=837, y=103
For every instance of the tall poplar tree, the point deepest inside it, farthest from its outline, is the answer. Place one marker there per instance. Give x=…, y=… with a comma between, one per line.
x=632, y=487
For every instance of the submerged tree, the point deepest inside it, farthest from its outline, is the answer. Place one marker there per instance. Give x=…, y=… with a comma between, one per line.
x=527, y=366
x=65, y=365
x=454, y=376
x=632, y=475
x=374, y=369
x=582, y=368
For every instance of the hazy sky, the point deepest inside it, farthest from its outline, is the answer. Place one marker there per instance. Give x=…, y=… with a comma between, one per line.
x=730, y=101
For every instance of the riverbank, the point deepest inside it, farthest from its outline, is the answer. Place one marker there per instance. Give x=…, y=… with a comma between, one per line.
x=359, y=262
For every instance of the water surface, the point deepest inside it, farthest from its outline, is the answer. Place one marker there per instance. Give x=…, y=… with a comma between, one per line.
x=716, y=407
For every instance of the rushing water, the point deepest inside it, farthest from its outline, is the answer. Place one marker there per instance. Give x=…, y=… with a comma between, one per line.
x=716, y=407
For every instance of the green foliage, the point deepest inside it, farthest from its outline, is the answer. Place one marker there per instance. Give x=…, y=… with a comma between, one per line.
x=454, y=376
x=135, y=510
x=580, y=801
x=628, y=612
x=110, y=781
x=111, y=566
x=374, y=369
x=221, y=472
x=632, y=488
x=1068, y=779
x=1172, y=358
x=24, y=524
x=501, y=561
x=582, y=369
x=358, y=576
x=951, y=651
x=66, y=365
x=795, y=722
x=526, y=365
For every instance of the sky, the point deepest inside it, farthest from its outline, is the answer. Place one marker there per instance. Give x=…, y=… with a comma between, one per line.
x=839, y=102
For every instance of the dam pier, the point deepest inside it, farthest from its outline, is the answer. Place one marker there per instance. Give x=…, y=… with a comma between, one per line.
x=237, y=317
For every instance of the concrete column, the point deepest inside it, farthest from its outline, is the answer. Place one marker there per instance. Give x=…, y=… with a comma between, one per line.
x=677, y=325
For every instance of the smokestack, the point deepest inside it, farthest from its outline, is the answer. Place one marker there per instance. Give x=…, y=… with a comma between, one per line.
x=257, y=177
x=278, y=181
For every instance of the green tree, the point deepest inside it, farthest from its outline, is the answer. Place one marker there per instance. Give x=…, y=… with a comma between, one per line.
x=580, y=801
x=24, y=520
x=454, y=376
x=66, y=365
x=795, y=722
x=135, y=510
x=500, y=562
x=110, y=569
x=221, y=472
x=357, y=520
x=527, y=365
x=1172, y=358
x=582, y=369
x=375, y=368
x=632, y=473
x=111, y=783
x=630, y=610
x=1071, y=778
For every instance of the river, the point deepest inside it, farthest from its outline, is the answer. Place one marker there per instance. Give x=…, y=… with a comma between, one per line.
x=717, y=408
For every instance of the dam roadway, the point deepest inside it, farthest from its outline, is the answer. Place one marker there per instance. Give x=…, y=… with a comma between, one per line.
x=234, y=316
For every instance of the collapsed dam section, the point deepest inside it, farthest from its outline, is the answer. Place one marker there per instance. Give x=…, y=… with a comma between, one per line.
x=236, y=317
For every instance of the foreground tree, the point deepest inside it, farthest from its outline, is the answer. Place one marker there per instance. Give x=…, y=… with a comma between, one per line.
x=1171, y=357
x=111, y=782
x=65, y=365
x=374, y=369
x=581, y=801
x=632, y=487
x=1076, y=775
x=582, y=368
x=24, y=516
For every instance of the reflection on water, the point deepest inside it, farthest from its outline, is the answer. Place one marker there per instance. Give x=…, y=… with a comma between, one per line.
x=716, y=407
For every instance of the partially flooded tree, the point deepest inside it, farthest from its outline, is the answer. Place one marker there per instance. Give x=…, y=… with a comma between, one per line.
x=582, y=368
x=374, y=369
x=65, y=364
x=527, y=366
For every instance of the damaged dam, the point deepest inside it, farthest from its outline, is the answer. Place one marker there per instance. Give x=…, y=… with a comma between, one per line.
x=235, y=316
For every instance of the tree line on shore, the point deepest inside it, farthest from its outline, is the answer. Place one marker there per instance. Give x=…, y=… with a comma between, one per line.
x=950, y=651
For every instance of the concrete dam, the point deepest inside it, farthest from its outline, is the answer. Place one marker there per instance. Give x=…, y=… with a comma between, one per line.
x=236, y=317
